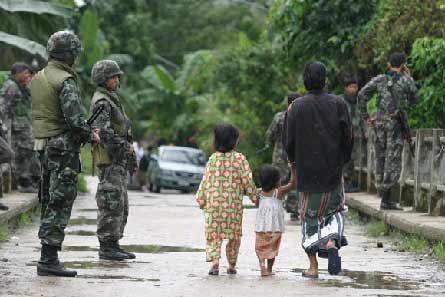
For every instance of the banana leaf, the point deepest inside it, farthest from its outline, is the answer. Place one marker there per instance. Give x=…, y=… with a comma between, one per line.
x=27, y=45
x=38, y=7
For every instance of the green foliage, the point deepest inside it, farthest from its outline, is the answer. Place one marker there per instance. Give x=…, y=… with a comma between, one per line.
x=24, y=219
x=376, y=228
x=86, y=159
x=439, y=251
x=426, y=55
x=323, y=30
x=4, y=233
x=395, y=27
x=412, y=243
x=82, y=186
x=89, y=34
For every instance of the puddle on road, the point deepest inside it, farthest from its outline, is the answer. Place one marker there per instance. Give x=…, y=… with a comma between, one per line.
x=82, y=233
x=159, y=249
x=87, y=209
x=143, y=249
x=368, y=280
x=82, y=221
x=119, y=277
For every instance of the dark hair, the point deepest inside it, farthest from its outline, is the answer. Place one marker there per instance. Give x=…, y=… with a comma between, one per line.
x=350, y=81
x=269, y=177
x=19, y=68
x=226, y=137
x=291, y=98
x=314, y=76
x=397, y=59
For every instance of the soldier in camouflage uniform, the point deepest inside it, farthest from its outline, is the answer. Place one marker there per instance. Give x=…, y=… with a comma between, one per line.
x=59, y=125
x=358, y=125
x=274, y=138
x=15, y=113
x=396, y=92
x=113, y=156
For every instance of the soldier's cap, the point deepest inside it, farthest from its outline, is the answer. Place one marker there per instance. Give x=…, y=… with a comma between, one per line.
x=64, y=41
x=104, y=70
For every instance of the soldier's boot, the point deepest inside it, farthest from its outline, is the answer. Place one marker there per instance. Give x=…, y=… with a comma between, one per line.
x=109, y=251
x=386, y=203
x=129, y=254
x=25, y=186
x=49, y=264
x=3, y=207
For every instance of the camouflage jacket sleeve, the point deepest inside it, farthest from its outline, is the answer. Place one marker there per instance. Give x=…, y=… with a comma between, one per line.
x=9, y=94
x=272, y=131
x=73, y=111
x=365, y=94
x=103, y=122
x=413, y=98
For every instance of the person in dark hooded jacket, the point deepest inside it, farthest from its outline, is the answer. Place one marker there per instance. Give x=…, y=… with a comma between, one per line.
x=319, y=143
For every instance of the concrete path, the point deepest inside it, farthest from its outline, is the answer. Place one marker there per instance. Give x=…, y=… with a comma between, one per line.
x=18, y=203
x=431, y=227
x=166, y=231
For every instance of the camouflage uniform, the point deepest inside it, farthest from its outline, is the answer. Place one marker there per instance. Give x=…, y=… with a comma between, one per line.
x=279, y=157
x=111, y=195
x=15, y=103
x=60, y=128
x=359, y=129
x=395, y=93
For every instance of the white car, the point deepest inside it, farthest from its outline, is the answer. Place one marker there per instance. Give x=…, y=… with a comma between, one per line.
x=179, y=168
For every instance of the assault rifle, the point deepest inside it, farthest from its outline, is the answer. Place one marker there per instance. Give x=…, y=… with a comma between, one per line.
x=132, y=162
x=95, y=114
x=406, y=130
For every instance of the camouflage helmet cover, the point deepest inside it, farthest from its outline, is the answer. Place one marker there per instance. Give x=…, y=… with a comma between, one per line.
x=104, y=70
x=64, y=41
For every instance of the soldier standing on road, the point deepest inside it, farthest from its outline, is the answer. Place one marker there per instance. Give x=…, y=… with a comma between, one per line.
x=59, y=125
x=113, y=156
x=274, y=137
x=396, y=92
x=350, y=98
x=15, y=113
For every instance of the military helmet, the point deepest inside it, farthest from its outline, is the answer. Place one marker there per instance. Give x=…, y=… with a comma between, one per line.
x=64, y=41
x=103, y=70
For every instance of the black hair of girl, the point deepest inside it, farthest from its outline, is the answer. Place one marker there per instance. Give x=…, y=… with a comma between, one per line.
x=226, y=137
x=269, y=177
x=292, y=97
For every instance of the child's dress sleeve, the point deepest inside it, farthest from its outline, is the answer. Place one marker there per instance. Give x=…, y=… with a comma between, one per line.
x=201, y=196
x=248, y=183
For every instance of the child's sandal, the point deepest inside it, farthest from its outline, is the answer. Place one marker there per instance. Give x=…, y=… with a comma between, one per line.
x=231, y=271
x=214, y=271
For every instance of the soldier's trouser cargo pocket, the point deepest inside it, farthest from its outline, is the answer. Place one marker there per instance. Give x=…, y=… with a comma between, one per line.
x=63, y=167
x=111, y=202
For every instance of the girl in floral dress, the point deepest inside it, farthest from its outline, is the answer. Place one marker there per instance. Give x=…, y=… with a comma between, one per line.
x=269, y=224
x=220, y=195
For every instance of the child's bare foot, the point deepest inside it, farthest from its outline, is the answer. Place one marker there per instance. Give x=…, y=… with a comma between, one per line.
x=214, y=269
x=263, y=268
x=310, y=273
x=231, y=269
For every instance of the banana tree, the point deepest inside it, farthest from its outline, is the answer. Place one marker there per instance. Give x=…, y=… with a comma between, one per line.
x=169, y=103
x=26, y=25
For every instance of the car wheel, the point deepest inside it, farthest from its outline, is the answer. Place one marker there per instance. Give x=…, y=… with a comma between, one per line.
x=150, y=187
x=185, y=191
x=156, y=188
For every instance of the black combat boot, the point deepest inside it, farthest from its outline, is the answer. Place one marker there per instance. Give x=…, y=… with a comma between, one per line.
x=109, y=251
x=3, y=207
x=49, y=264
x=129, y=254
x=386, y=203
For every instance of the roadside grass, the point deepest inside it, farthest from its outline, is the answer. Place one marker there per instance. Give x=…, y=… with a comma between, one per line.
x=4, y=233
x=24, y=219
x=439, y=251
x=87, y=168
x=376, y=228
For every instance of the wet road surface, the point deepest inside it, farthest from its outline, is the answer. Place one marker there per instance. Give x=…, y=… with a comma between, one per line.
x=166, y=232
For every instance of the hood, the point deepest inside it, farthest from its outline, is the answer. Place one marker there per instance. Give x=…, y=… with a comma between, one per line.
x=181, y=167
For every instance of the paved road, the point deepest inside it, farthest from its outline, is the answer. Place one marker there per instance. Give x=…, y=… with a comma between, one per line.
x=166, y=232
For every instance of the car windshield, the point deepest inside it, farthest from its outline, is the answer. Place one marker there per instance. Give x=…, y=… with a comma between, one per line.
x=188, y=157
